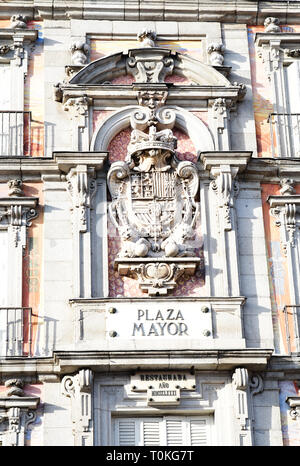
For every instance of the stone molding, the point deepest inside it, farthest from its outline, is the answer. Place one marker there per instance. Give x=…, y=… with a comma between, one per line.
x=244, y=12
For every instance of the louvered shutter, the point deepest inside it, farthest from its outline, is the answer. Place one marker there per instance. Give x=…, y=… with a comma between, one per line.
x=126, y=432
x=174, y=432
x=151, y=432
x=198, y=432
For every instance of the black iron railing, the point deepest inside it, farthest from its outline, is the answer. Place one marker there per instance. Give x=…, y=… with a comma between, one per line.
x=15, y=331
x=15, y=133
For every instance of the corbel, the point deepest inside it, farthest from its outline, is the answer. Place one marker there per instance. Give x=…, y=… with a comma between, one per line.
x=79, y=388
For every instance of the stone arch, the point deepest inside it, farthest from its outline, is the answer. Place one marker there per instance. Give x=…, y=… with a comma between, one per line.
x=185, y=121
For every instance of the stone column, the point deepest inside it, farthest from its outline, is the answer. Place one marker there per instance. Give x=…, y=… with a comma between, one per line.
x=223, y=168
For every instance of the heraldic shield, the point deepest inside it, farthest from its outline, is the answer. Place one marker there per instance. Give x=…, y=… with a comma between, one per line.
x=154, y=209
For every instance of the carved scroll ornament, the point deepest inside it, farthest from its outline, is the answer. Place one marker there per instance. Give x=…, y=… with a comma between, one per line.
x=153, y=205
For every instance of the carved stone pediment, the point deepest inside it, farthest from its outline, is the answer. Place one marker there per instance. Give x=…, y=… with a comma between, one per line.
x=153, y=205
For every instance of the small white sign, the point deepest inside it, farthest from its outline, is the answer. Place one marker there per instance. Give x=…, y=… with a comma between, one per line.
x=160, y=320
x=163, y=397
x=143, y=381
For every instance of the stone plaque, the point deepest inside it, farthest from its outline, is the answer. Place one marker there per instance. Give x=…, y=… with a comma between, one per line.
x=160, y=320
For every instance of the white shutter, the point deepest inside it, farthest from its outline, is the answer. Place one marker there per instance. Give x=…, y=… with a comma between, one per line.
x=151, y=432
x=126, y=429
x=174, y=432
x=159, y=431
x=198, y=432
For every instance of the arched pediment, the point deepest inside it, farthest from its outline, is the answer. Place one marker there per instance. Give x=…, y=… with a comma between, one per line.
x=149, y=65
x=185, y=121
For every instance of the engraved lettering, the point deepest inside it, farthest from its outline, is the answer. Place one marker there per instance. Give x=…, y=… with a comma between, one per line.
x=137, y=328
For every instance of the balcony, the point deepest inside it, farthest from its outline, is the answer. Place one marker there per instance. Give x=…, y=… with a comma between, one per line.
x=16, y=331
x=21, y=136
x=285, y=134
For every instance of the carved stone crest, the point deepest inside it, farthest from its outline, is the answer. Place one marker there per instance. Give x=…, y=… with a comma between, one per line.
x=153, y=205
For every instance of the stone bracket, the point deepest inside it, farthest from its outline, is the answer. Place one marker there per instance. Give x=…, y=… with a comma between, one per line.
x=79, y=388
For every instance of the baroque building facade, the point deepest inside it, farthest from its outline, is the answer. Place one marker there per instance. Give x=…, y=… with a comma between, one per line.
x=149, y=223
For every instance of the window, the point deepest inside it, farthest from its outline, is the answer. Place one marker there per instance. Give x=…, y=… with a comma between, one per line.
x=161, y=431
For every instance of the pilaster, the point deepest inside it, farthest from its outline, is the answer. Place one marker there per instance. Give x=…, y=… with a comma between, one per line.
x=223, y=168
x=80, y=169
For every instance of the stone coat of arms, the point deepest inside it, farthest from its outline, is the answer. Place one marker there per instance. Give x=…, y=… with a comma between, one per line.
x=153, y=204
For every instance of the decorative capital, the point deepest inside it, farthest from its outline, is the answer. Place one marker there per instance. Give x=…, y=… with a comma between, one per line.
x=79, y=51
x=240, y=378
x=294, y=404
x=272, y=25
x=82, y=188
x=216, y=51
x=79, y=105
x=147, y=37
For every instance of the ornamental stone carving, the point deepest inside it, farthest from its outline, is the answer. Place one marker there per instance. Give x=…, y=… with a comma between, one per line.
x=15, y=188
x=79, y=388
x=147, y=67
x=18, y=22
x=79, y=51
x=153, y=204
x=216, y=52
x=272, y=25
x=147, y=37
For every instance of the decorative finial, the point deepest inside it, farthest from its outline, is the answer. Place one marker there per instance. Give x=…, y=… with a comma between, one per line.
x=16, y=387
x=147, y=37
x=79, y=50
x=287, y=186
x=215, y=52
x=15, y=187
x=18, y=22
x=271, y=25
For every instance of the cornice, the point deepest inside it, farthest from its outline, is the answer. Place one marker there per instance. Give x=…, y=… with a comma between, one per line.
x=60, y=162
x=262, y=38
x=24, y=402
x=66, y=362
x=245, y=11
x=29, y=35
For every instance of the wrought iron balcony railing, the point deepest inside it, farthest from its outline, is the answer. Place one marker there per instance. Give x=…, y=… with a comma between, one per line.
x=15, y=133
x=15, y=331
x=285, y=134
